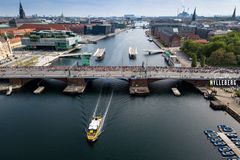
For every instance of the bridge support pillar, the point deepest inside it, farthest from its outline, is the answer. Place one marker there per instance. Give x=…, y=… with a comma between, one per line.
x=18, y=83
x=14, y=83
x=138, y=87
x=75, y=86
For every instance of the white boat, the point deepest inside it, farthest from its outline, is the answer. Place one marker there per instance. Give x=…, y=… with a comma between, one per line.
x=99, y=54
x=150, y=40
x=132, y=53
x=39, y=90
x=176, y=92
x=9, y=92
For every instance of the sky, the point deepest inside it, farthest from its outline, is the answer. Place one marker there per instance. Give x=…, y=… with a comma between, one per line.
x=82, y=8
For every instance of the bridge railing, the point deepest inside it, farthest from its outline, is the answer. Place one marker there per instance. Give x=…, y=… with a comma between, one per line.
x=209, y=70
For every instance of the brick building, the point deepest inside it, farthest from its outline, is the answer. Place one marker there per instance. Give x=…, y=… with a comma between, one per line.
x=76, y=28
x=171, y=34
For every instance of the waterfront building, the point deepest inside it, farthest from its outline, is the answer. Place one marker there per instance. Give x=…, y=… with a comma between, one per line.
x=102, y=29
x=171, y=34
x=46, y=39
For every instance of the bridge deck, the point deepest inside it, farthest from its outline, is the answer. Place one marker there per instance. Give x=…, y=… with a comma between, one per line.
x=119, y=72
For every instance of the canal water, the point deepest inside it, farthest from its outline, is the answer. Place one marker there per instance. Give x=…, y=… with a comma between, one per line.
x=117, y=51
x=160, y=126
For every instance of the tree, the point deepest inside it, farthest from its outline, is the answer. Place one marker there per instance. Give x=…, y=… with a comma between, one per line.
x=216, y=57
x=203, y=61
x=238, y=93
x=229, y=59
x=191, y=48
x=213, y=46
x=222, y=58
x=194, y=60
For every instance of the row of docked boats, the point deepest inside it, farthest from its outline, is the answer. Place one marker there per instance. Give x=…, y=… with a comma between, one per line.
x=225, y=150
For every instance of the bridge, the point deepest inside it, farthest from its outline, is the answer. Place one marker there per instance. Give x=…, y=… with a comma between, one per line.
x=139, y=77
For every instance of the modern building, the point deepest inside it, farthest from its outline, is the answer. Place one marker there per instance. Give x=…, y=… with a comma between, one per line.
x=56, y=40
x=102, y=29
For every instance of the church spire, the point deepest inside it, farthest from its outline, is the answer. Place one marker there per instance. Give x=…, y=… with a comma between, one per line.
x=21, y=11
x=194, y=15
x=234, y=14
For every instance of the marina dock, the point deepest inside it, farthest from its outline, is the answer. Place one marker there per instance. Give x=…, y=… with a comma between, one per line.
x=234, y=148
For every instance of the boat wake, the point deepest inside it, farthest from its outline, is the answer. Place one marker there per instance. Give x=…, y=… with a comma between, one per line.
x=97, y=105
x=104, y=115
x=106, y=112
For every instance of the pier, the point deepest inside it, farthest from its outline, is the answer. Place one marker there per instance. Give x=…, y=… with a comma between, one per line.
x=71, y=55
x=223, y=101
x=152, y=51
x=234, y=148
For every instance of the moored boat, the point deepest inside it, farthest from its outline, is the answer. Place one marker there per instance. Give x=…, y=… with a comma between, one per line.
x=209, y=131
x=99, y=54
x=228, y=154
x=150, y=40
x=231, y=135
x=132, y=53
x=219, y=143
x=224, y=128
x=214, y=140
x=224, y=149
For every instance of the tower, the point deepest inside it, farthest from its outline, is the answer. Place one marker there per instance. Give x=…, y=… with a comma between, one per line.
x=194, y=15
x=234, y=14
x=21, y=12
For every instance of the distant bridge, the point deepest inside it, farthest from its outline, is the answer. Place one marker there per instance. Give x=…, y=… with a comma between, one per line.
x=138, y=76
